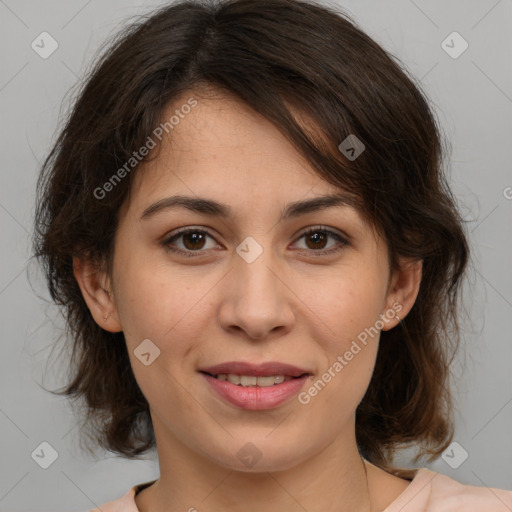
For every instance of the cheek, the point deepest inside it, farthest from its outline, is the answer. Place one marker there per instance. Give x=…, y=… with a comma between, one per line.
x=344, y=321
x=163, y=305
x=165, y=309
x=348, y=305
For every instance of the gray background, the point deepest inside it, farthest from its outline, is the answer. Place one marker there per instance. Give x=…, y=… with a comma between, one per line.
x=472, y=95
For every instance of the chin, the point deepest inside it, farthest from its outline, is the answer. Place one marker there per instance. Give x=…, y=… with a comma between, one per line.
x=258, y=457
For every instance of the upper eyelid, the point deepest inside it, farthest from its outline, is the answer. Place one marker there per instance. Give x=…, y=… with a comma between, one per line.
x=304, y=231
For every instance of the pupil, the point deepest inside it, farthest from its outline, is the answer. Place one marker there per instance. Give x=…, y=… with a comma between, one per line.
x=318, y=239
x=195, y=237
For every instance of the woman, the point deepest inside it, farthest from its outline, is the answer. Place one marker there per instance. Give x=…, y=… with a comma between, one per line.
x=247, y=221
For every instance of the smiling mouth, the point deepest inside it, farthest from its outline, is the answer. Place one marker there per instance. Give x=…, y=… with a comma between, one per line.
x=254, y=381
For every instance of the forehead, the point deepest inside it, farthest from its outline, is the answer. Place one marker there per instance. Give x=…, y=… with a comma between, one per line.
x=223, y=151
x=221, y=147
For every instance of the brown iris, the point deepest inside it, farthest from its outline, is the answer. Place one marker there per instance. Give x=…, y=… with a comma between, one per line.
x=196, y=238
x=319, y=238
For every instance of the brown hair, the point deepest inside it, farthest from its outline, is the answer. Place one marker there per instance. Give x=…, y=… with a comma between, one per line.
x=284, y=58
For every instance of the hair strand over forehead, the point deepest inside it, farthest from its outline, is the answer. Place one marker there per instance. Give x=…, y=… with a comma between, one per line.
x=318, y=78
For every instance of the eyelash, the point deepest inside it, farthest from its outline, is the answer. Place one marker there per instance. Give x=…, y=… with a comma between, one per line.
x=318, y=229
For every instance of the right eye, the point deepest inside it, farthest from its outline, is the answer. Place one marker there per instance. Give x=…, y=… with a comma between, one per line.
x=193, y=241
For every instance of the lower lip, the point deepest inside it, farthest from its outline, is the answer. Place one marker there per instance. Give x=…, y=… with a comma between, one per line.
x=254, y=397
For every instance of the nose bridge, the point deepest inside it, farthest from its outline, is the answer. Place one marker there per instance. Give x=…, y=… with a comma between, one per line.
x=257, y=301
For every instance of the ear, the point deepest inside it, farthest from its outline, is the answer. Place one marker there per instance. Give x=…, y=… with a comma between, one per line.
x=403, y=289
x=98, y=294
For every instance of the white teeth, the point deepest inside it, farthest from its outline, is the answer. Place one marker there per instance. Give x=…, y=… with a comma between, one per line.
x=234, y=379
x=248, y=381
x=263, y=382
x=252, y=380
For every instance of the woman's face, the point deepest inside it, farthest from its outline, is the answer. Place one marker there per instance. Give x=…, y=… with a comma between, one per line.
x=248, y=286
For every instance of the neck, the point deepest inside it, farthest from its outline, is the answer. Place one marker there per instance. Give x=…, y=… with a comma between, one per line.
x=333, y=480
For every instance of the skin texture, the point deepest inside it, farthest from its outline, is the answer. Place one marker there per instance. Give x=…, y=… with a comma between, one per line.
x=288, y=305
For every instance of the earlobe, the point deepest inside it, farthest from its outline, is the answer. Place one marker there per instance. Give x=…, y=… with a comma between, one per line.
x=403, y=290
x=97, y=293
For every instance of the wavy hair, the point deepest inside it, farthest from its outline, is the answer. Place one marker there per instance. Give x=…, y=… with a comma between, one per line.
x=318, y=78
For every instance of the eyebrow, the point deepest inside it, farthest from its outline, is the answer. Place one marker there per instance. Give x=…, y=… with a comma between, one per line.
x=212, y=208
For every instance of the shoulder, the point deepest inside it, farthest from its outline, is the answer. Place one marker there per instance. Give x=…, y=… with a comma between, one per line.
x=433, y=492
x=125, y=503
x=448, y=494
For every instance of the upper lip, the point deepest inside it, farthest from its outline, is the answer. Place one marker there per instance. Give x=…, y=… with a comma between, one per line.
x=257, y=370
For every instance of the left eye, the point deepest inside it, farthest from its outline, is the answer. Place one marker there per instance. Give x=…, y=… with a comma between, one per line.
x=193, y=241
x=319, y=236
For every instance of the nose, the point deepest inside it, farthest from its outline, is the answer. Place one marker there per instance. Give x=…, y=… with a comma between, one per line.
x=256, y=299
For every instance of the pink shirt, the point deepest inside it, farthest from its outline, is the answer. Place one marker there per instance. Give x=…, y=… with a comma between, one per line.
x=427, y=492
